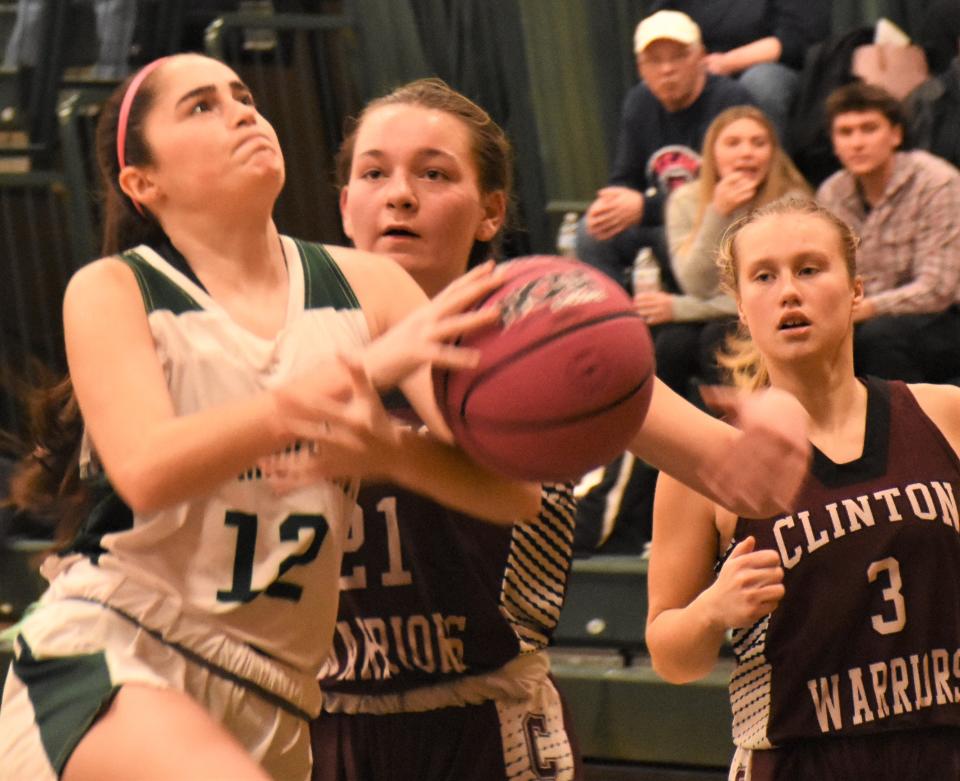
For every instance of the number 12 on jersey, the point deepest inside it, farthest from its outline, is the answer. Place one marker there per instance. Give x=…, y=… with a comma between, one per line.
x=244, y=558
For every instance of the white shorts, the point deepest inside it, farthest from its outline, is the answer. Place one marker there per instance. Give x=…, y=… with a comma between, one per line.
x=73, y=655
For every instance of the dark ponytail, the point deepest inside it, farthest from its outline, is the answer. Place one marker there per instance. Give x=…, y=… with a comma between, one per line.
x=45, y=483
x=46, y=480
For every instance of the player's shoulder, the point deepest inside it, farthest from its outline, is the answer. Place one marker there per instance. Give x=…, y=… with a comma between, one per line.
x=386, y=292
x=936, y=396
x=99, y=278
x=101, y=296
x=368, y=267
x=940, y=403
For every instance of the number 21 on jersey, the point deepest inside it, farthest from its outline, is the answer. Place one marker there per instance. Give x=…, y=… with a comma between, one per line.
x=395, y=574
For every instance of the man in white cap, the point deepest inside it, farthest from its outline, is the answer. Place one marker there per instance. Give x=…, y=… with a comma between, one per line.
x=760, y=44
x=663, y=122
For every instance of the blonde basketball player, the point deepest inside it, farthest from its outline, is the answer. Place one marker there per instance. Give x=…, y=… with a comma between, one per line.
x=845, y=611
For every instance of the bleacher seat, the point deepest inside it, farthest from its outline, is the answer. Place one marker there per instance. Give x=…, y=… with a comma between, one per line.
x=622, y=711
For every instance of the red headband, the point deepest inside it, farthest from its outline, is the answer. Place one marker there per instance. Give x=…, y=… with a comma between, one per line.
x=125, y=105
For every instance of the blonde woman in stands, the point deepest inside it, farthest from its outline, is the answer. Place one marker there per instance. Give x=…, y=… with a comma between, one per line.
x=744, y=166
x=845, y=612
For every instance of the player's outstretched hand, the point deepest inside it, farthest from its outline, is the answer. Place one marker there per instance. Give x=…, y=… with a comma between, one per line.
x=426, y=335
x=767, y=464
x=749, y=586
x=340, y=438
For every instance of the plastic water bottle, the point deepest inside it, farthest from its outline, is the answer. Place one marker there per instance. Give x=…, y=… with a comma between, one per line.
x=645, y=276
x=567, y=235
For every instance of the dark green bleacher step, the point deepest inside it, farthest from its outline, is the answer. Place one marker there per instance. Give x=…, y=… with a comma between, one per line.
x=606, y=604
x=628, y=714
x=624, y=714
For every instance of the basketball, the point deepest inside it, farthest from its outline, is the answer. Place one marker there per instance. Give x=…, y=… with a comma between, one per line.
x=565, y=375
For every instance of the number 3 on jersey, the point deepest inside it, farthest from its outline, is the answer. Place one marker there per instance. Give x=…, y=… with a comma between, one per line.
x=893, y=593
x=289, y=531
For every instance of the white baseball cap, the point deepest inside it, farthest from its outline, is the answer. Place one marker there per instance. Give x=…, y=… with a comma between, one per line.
x=672, y=25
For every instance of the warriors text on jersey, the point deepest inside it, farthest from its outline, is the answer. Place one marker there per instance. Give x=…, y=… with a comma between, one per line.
x=867, y=637
x=263, y=568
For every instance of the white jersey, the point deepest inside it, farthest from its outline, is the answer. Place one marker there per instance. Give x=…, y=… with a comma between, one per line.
x=262, y=568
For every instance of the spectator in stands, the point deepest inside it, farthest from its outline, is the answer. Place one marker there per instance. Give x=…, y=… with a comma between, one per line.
x=762, y=44
x=904, y=206
x=744, y=166
x=933, y=109
x=115, y=22
x=662, y=126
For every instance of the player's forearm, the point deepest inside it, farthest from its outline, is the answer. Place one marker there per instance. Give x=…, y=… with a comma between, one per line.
x=188, y=456
x=684, y=643
x=448, y=476
x=679, y=439
x=185, y=457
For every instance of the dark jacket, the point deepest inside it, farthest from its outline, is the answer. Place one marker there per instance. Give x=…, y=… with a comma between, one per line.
x=727, y=24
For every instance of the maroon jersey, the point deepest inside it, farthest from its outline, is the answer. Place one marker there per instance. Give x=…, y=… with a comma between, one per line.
x=429, y=594
x=867, y=637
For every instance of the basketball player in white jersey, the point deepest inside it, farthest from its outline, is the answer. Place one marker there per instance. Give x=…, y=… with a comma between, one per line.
x=187, y=618
x=845, y=610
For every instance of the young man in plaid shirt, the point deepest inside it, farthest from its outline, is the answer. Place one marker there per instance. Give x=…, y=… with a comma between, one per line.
x=905, y=205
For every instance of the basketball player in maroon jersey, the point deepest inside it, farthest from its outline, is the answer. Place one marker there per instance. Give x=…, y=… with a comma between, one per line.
x=438, y=669
x=846, y=612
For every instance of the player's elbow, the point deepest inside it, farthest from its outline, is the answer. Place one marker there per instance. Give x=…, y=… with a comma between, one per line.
x=676, y=663
x=141, y=489
x=523, y=504
x=673, y=668
x=532, y=500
